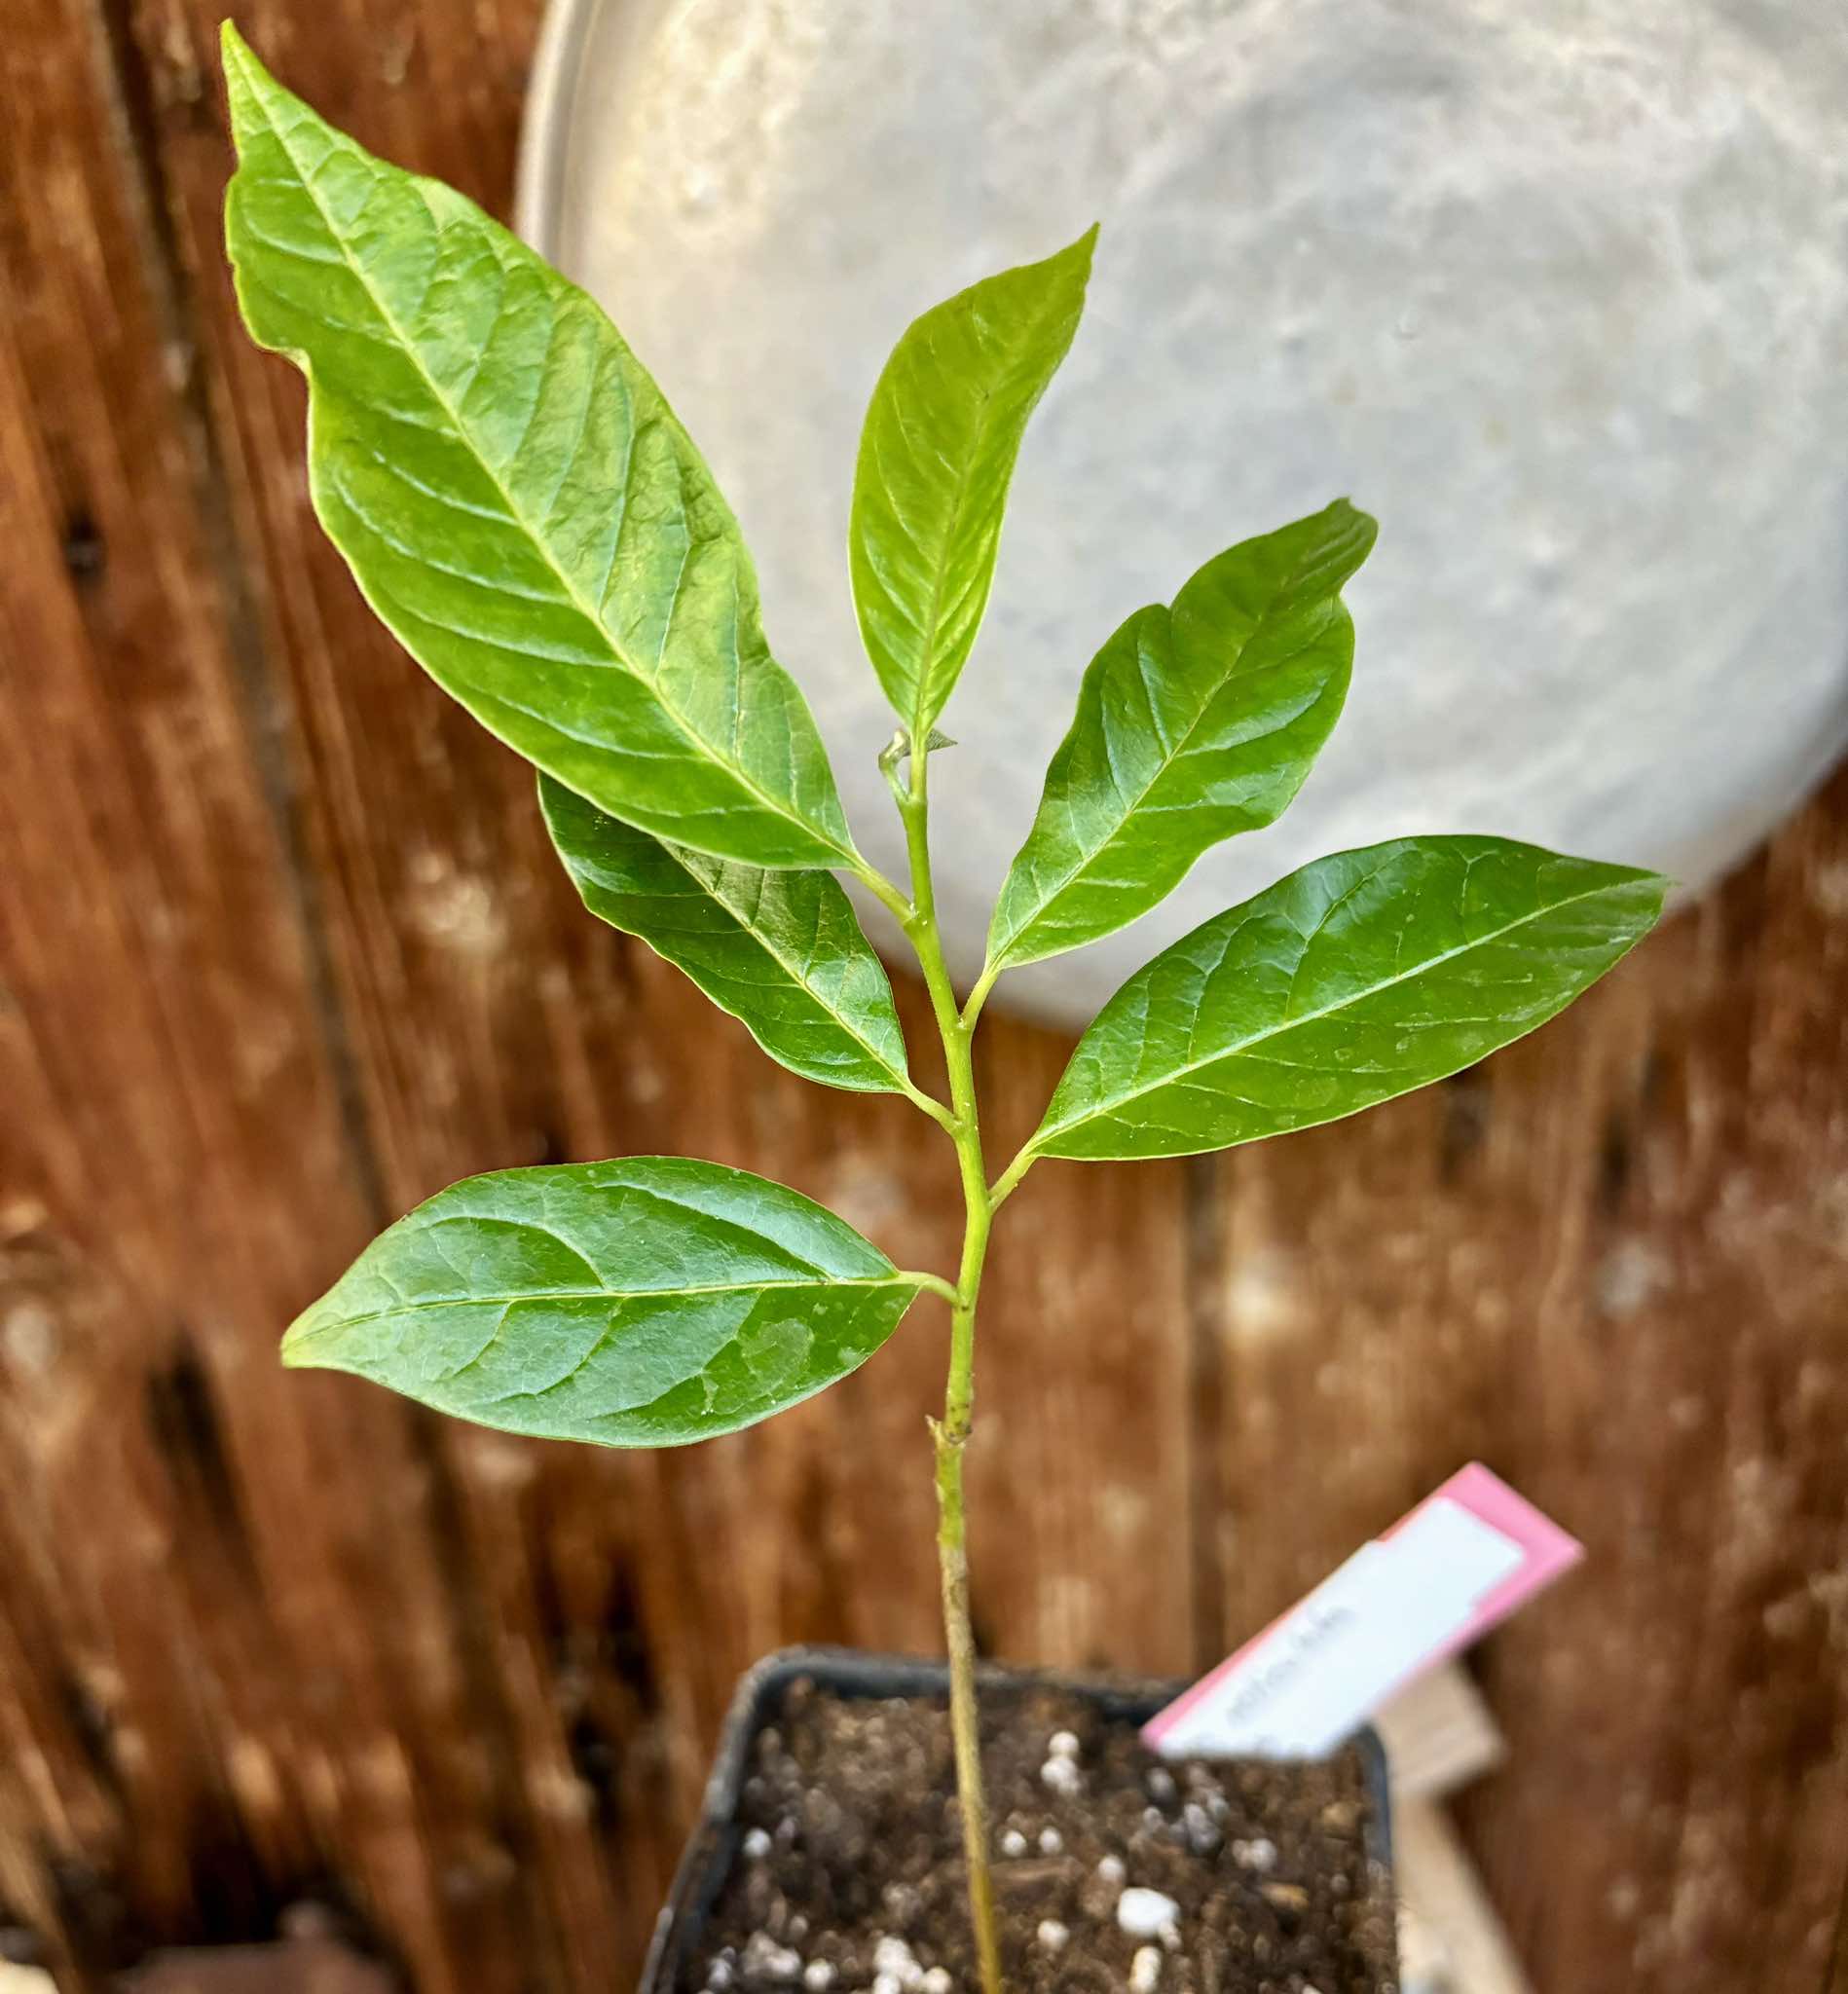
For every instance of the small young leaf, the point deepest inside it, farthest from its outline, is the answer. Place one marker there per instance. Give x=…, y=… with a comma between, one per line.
x=514, y=497
x=1357, y=978
x=936, y=456
x=642, y=1303
x=781, y=950
x=1193, y=723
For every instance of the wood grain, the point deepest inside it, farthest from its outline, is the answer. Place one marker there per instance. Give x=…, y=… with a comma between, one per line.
x=285, y=949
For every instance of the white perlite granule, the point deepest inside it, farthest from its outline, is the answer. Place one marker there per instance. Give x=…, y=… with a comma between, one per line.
x=892, y=1957
x=765, y=1959
x=1062, y=1776
x=1558, y=296
x=1146, y=1913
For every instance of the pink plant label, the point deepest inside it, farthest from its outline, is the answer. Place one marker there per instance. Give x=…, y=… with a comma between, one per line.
x=1465, y=1558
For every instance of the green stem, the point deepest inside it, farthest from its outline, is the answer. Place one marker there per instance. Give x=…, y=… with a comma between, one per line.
x=950, y=1434
x=1005, y=1184
x=903, y=911
x=978, y=996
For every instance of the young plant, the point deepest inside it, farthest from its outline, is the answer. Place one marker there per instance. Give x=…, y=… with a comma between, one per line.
x=522, y=509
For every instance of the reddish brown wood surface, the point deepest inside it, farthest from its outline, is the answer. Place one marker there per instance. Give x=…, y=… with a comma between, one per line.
x=282, y=949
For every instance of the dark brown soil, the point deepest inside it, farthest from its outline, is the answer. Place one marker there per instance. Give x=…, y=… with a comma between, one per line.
x=852, y=1837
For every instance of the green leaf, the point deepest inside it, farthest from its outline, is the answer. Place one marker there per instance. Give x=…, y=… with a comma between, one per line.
x=1357, y=978
x=515, y=498
x=936, y=456
x=642, y=1303
x=1195, y=723
x=779, y=950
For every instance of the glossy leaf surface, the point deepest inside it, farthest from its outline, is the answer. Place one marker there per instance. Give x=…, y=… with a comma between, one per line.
x=1196, y=720
x=642, y=1303
x=938, y=447
x=781, y=950
x=515, y=498
x=1357, y=978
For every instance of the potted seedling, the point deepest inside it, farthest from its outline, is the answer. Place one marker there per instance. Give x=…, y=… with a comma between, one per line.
x=522, y=509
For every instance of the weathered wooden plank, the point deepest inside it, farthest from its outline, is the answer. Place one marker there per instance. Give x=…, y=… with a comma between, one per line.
x=1837, y=1979
x=209, y=1712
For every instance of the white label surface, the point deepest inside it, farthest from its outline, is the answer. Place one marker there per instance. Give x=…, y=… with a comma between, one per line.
x=1401, y=1602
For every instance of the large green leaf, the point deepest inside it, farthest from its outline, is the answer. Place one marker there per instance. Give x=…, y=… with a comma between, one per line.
x=515, y=498
x=1195, y=721
x=1359, y=977
x=636, y=1303
x=936, y=456
x=779, y=950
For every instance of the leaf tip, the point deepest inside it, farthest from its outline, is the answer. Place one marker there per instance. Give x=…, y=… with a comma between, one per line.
x=248, y=85
x=236, y=56
x=1069, y=265
x=293, y=1351
x=1650, y=886
x=1349, y=514
x=1079, y=253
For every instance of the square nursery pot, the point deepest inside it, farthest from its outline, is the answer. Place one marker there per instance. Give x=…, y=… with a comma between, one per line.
x=1297, y=1932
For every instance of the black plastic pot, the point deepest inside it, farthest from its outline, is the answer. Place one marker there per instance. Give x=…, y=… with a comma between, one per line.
x=843, y=1672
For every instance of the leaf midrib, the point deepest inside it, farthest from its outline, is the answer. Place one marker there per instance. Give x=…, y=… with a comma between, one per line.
x=1308, y=1017
x=796, y=979
x=940, y=581
x=986, y=398
x=500, y=1300
x=931, y=629
x=515, y=511
x=590, y=878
